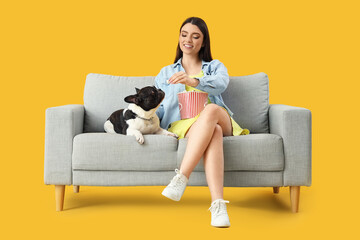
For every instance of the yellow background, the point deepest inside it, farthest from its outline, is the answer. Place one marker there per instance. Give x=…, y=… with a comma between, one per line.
x=309, y=49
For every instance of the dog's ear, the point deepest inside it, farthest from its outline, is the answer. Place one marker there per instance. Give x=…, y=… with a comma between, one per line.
x=131, y=99
x=137, y=90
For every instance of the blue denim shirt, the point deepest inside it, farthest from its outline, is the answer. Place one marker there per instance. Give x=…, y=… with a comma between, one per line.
x=214, y=82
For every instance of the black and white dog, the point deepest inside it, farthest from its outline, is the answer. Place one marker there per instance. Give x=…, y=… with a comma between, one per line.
x=140, y=117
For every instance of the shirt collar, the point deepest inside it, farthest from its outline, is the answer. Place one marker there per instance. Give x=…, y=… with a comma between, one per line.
x=203, y=63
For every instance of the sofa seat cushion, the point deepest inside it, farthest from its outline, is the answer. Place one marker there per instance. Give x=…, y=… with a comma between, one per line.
x=105, y=151
x=253, y=152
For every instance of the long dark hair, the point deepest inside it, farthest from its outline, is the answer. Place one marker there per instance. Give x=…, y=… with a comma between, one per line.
x=205, y=52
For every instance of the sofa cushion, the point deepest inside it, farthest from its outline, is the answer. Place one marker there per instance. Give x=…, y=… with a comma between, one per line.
x=248, y=98
x=253, y=152
x=104, y=94
x=105, y=151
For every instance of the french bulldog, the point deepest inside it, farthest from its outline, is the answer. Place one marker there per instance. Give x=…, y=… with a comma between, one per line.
x=140, y=116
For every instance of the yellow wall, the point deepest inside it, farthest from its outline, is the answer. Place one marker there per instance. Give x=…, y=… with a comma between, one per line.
x=309, y=49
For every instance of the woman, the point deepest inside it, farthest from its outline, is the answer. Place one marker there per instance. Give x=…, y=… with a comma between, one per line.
x=194, y=69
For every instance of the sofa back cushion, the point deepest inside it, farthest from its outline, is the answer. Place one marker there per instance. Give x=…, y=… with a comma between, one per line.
x=246, y=96
x=105, y=94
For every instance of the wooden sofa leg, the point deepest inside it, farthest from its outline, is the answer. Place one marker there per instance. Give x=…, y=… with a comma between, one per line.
x=294, y=198
x=76, y=189
x=59, y=197
x=276, y=189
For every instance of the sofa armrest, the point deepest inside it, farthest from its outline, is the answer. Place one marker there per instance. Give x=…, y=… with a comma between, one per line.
x=293, y=124
x=61, y=125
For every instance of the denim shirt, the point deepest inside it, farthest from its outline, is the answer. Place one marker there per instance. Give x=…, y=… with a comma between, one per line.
x=214, y=82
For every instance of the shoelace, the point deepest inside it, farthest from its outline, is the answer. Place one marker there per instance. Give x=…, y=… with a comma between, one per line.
x=218, y=208
x=177, y=182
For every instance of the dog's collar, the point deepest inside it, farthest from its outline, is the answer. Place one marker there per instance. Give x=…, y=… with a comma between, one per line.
x=146, y=119
x=143, y=118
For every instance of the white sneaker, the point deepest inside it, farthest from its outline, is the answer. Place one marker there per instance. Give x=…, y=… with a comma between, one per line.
x=176, y=187
x=219, y=216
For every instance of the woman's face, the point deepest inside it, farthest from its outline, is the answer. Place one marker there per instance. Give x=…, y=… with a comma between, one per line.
x=190, y=39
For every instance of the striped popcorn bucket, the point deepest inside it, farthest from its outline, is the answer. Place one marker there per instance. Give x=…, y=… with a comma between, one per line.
x=191, y=103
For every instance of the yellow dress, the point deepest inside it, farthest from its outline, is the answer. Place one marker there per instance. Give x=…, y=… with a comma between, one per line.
x=181, y=127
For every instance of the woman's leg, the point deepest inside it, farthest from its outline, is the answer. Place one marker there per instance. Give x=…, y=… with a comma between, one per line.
x=201, y=133
x=214, y=164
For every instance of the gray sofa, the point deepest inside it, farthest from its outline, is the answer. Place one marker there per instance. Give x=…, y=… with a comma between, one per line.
x=276, y=153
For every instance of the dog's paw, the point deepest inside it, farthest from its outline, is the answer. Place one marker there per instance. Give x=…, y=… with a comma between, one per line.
x=172, y=134
x=140, y=138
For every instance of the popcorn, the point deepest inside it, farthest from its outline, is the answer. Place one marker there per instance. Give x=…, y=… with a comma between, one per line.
x=187, y=91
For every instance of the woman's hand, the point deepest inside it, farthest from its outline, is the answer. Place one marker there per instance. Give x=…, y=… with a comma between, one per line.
x=183, y=78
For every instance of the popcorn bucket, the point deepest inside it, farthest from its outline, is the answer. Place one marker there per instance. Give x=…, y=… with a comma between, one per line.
x=191, y=103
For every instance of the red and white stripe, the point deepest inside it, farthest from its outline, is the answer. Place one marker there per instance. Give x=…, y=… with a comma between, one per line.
x=191, y=103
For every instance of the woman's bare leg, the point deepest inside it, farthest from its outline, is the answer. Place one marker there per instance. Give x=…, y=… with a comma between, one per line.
x=201, y=133
x=214, y=164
